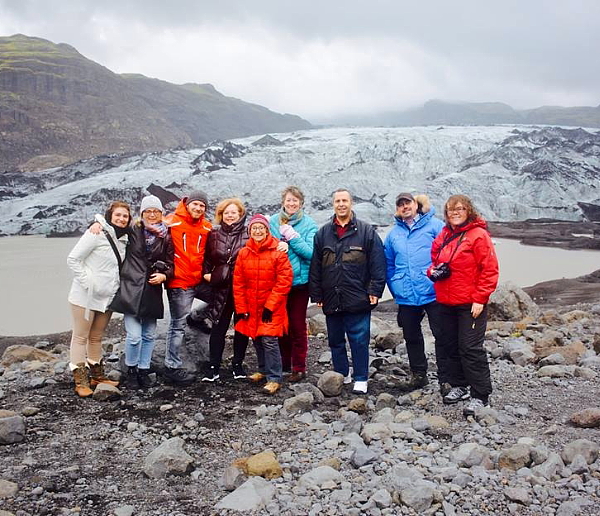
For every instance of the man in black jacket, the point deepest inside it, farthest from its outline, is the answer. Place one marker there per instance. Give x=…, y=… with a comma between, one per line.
x=347, y=278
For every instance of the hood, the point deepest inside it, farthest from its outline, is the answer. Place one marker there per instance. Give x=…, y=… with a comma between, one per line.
x=477, y=223
x=182, y=212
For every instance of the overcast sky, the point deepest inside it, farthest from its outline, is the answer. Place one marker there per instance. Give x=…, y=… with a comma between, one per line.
x=329, y=58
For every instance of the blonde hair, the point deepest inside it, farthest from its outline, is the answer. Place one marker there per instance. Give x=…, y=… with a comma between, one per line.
x=226, y=202
x=295, y=191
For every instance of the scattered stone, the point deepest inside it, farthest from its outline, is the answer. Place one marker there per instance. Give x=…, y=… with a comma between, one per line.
x=550, y=468
x=8, y=489
x=518, y=494
x=22, y=353
x=515, y=457
x=106, y=392
x=358, y=405
x=12, y=427
x=168, y=459
x=362, y=456
x=30, y=411
x=585, y=447
x=232, y=478
x=555, y=371
x=264, y=464
x=385, y=400
x=331, y=383
x=579, y=465
x=587, y=418
x=511, y=303
x=382, y=498
x=553, y=359
x=252, y=495
x=332, y=462
x=419, y=495
x=124, y=510
x=309, y=387
x=317, y=324
x=324, y=358
x=389, y=340
x=375, y=431
x=167, y=406
x=318, y=476
x=302, y=402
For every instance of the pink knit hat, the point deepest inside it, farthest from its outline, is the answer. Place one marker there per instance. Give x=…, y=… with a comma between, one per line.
x=258, y=218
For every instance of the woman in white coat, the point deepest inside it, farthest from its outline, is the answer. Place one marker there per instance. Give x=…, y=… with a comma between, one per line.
x=95, y=261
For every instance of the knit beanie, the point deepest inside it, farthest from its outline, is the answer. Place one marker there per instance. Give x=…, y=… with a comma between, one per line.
x=197, y=195
x=258, y=218
x=151, y=202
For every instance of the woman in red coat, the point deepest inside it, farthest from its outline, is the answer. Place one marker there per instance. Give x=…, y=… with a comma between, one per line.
x=261, y=281
x=465, y=273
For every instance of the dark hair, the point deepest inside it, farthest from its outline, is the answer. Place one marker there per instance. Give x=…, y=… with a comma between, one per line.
x=453, y=200
x=339, y=190
x=113, y=206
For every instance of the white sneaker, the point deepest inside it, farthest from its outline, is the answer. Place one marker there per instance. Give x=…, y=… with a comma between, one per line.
x=360, y=387
x=347, y=379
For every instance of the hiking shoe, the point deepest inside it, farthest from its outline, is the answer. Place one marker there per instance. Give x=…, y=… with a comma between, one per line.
x=97, y=375
x=456, y=394
x=131, y=378
x=211, y=375
x=82, y=381
x=297, y=376
x=257, y=377
x=474, y=406
x=272, y=387
x=239, y=372
x=178, y=376
x=416, y=380
x=143, y=378
x=360, y=387
x=445, y=388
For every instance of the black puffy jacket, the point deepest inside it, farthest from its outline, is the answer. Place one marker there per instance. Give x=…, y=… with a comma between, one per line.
x=222, y=247
x=345, y=271
x=135, y=295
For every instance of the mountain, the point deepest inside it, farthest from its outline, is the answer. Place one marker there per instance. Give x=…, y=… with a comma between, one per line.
x=438, y=112
x=511, y=173
x=57, y=107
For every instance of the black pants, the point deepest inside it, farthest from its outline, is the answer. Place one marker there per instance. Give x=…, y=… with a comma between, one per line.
x=217, y=337
x=409, y=319
x=463, y=339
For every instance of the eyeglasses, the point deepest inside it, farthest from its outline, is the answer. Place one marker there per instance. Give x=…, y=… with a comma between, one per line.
x=457, y=209
x=256, y=228
x=153, y=212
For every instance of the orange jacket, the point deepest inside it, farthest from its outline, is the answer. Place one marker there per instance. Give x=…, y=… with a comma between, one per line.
x=262, y=279
x=189, y=240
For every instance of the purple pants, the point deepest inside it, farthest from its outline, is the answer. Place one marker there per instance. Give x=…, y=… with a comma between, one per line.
x=294, y=345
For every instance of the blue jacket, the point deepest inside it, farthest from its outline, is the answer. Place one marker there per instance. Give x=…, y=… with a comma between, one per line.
x=408, y=256
x=301, y=249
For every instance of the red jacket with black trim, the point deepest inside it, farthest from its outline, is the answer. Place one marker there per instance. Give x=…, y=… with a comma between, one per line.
x=262, y=278
x=474, y=266
x=189, y=241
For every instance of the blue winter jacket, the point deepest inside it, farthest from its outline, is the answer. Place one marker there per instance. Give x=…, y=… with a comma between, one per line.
x=408, y=256
x=301, y=249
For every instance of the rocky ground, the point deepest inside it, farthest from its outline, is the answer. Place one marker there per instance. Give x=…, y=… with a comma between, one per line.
x=314, y=448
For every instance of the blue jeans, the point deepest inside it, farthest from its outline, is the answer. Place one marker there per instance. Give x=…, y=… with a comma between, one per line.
x=139, y=342
x=358, y=329
x=269, y=357
x=180, y=304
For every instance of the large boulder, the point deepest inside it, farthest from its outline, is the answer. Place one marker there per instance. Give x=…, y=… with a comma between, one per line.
x=252, y=495
x=331, y=383
x=168, y=459
x=12, y=427
x=22, y=353
x=511, y=303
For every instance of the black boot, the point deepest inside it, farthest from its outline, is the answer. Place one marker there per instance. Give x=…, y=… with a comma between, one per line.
x=416, y=380
x=143, y=378
x=131, y=378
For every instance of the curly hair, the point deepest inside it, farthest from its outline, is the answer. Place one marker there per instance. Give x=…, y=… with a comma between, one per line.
x=453, y=200
x=226, y=202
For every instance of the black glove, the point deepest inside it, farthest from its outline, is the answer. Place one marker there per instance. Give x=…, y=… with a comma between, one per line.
x=267, y=315
x=239, y=317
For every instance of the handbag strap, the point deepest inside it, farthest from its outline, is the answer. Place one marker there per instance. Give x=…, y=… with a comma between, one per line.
x=447, y=241
x=114, y=248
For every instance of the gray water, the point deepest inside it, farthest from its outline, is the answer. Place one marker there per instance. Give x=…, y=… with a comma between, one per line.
x=35, y=278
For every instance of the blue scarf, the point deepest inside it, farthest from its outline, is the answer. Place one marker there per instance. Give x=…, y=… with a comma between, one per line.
x=292, y=220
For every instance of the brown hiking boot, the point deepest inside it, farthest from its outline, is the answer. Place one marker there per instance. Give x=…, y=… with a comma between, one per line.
x=257, y=377
x=272, y=387
x=296, y=376
x=82, y=381
x=97, y=375
x=416, y=380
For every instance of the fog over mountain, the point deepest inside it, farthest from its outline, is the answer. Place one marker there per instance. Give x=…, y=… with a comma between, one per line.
x=512, y=173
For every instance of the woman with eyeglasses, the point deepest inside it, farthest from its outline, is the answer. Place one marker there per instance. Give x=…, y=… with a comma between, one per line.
x=147, y=266
x=465, y=274
x=261, y=282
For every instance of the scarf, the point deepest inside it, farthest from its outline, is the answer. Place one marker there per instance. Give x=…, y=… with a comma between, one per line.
x=292, y=220
x=152, y=232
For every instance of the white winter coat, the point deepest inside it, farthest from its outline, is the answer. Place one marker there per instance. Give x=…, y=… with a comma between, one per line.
x=96, y=270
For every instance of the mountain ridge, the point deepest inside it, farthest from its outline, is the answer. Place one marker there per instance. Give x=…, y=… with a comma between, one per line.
x=57, y=107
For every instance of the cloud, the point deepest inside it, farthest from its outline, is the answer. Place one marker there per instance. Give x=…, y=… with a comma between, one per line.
x=328, y=58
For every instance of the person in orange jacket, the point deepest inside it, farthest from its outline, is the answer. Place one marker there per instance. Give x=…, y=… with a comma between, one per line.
x=262, y=280
x=189, y=230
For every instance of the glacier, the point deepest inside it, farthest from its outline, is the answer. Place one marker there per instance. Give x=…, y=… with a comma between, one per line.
x=510, y=172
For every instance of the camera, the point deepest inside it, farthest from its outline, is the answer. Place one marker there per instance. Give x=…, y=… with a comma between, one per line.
x=440, y=271
x=159, y=266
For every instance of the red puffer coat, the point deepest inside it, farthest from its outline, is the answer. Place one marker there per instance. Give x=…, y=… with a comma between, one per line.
x=474, y=266
x=262, y=279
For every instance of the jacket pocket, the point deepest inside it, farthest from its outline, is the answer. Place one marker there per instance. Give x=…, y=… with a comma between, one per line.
x=328, y=258
x=354, y=255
